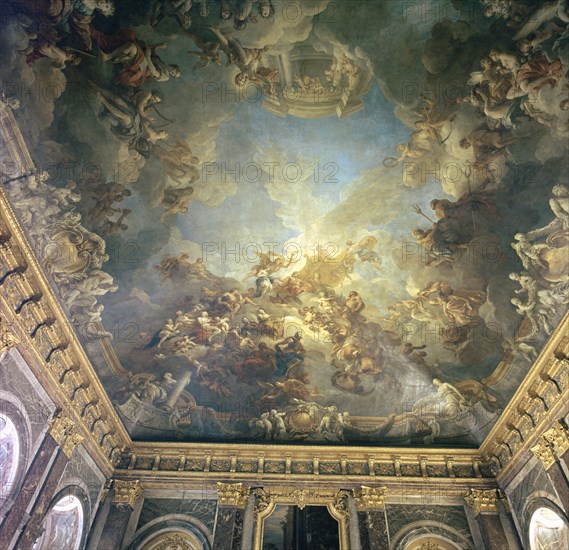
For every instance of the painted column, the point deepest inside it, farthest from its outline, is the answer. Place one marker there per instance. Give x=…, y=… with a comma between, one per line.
x=372, y=519
x=124, y=498
x=485, y=507
x=41, y=480
x=232, y=501
x=183, y=382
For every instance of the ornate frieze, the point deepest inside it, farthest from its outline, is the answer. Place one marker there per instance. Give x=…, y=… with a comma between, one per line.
x=542, y=398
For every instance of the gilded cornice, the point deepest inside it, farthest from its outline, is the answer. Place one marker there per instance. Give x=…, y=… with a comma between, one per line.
x=358, y=465
x=534, y=410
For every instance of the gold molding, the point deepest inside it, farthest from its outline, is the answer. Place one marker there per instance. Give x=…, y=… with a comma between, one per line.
x=232, y=494
x=482, y=500
x=335, y=500
x=127, y=492
x=543, y=395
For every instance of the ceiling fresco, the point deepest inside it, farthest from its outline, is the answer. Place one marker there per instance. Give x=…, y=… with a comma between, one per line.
x=329, y=222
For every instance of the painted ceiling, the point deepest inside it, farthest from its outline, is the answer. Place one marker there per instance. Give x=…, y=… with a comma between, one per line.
x=297, y=221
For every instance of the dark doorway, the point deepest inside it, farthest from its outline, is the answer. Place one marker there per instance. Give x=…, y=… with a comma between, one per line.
x=290, y=528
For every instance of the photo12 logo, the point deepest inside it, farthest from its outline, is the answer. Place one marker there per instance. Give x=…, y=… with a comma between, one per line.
x=284, y=254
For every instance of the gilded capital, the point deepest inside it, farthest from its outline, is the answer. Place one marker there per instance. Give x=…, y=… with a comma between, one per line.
x=482, y=500
x=370, y=498
x=232, y=494
x=545, y=453
x=7, y=339
x=71, y=441
x=60, y=426
x=558, y=436
x=127, y=492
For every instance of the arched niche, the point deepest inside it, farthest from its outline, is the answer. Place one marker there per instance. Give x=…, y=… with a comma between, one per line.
x=15, y=445
x=172, y=532
x=432, y=534
x=533, y=514
x=547, y=530
x=65, y=524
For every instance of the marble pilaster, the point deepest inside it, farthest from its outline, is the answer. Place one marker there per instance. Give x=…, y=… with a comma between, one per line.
x=124, y=498
x=484, y=503
x=552, y=448
x=23, y=521
x=231, y=504
x=372, y=520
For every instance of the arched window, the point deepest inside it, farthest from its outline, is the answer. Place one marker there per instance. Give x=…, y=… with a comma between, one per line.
x=9, y=456
x=548, y=531
x=63, y=525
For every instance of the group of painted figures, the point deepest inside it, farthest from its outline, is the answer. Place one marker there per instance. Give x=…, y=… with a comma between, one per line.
x=513, y=87
x=504, y=91
x=254, y=337
x=65, y=33
x=77, y=218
